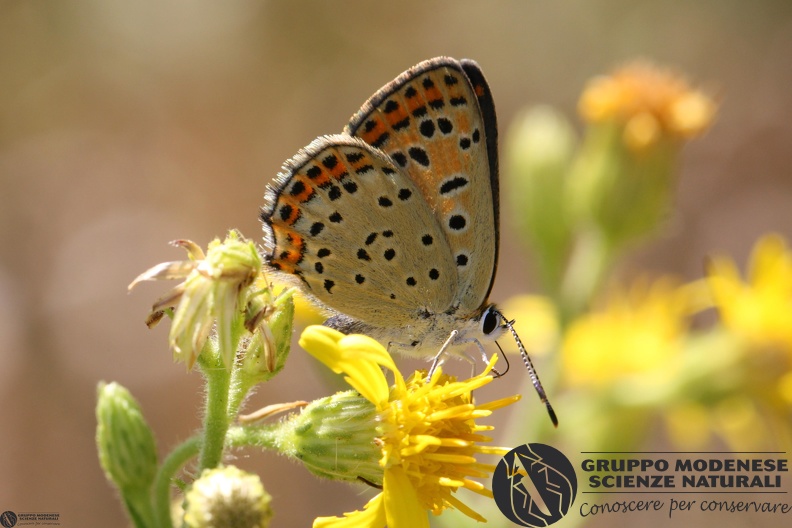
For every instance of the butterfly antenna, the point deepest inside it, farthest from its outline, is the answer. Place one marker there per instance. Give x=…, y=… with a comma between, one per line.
x=531, y=371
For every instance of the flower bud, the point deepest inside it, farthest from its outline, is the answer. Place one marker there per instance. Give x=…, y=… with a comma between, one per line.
x=127, y=451
x=539, y=152
x=335, y=438
x=269, y=347
x=639, y=117
x=227, y=496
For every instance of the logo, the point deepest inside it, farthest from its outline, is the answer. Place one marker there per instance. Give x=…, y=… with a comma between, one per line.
x=534, y=485
x=8, y=519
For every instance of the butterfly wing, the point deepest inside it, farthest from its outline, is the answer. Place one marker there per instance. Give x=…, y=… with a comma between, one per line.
x=437, y=122
x=348, y=223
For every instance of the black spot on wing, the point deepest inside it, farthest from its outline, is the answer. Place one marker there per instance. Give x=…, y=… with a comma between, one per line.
x=316, y=228
x=427, y=128
x=453, y=184
x=419, y=155
x=297, y=188
x=354, y=157
x=457, y=222
x=330, y=161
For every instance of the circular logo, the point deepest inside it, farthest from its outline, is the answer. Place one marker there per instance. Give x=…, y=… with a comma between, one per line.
x=8, y=519
x=534, y=485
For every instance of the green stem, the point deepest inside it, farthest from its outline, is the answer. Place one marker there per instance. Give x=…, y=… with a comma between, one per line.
x=216, y=419
x=239, y=388
x=162, y=483
x=588, y=265
x=139, y=508
x=262, y=436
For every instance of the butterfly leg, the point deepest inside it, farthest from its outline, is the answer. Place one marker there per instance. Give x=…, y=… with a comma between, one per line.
x=486, y=358
x=470, y=359
x=440, y=356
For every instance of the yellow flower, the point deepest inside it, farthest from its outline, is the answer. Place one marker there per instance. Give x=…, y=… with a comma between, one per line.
x=428, y=433
x=758, y=309
x=650, y=102
x=637, y=336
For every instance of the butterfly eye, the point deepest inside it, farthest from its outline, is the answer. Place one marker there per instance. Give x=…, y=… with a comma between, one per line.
x=491, y=320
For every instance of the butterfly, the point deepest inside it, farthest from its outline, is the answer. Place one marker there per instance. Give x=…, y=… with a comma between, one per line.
x=392, y=225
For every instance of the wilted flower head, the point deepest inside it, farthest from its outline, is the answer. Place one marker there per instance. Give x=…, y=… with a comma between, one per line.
x=213, y=291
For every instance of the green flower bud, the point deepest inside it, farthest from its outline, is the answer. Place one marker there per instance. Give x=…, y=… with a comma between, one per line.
x=335, y=437
x=269, y=347
x=127, y=451
x=624, y=192
x=227, y=497
x=539, y=150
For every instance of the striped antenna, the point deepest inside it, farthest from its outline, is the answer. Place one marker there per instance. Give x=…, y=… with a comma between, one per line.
x=531, y=371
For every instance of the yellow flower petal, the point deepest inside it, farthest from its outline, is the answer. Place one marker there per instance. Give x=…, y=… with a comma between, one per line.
x=461, y=506
x=402, y=507
x=359, y=358
x=365, y=348
x=372, y=516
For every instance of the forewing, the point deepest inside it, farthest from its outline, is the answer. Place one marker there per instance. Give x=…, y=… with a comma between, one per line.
x=356, y=233
x=437, y=122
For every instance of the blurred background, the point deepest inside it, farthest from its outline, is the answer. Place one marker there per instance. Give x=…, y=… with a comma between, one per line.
x=124, y=125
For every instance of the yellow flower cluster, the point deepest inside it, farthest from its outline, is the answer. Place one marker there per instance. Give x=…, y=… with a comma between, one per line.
x=650, y=102
x=759, y=308
x=639, y=333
